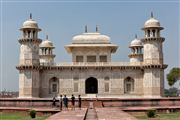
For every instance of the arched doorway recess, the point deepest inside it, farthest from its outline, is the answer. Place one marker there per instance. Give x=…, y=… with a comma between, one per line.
x=91, y=85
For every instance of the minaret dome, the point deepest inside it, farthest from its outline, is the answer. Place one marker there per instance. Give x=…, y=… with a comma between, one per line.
x=152, y=23
x=30, y=23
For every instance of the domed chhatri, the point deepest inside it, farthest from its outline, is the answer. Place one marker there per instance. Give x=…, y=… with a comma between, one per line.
x=46, y=52
x=136, y=42
x=136, y=54
x=46, y=43
x=152, y=22
x=30, y=23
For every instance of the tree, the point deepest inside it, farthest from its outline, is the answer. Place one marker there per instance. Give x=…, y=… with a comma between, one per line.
x=173, y=76
x=171, y=92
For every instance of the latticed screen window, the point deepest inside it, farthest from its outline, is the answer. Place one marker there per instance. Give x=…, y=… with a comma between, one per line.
x=54, y=87
x=75, y=86
x=103, y=58
x=79, y=58
x=91, y=58
x=106, y=87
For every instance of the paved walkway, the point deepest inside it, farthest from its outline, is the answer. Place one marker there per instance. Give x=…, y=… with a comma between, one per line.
x=113, y=114
x=91, y=115
x=69, y=115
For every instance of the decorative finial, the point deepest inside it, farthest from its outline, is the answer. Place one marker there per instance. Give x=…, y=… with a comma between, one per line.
x=30, y=16
x=97, y=29
x=86, y=29
x=46, y=37
x=136, y=36
x=152, y=15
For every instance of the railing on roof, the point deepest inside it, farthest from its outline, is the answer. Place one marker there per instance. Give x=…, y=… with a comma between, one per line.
x=94, y=64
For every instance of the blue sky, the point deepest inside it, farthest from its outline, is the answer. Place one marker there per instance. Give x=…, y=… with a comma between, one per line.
x=61, y=20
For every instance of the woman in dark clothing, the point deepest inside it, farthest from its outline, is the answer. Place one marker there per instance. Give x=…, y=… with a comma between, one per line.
x=73, y=102
x=79, y=101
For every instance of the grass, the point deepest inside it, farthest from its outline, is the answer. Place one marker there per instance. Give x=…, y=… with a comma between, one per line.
x=20, y=116
x=167, y=116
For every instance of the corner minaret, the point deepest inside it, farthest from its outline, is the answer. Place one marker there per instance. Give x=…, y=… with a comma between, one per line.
x=153, y=82
x=29, y=59
x=136, y=51
x=153, y=53
x=46, y=52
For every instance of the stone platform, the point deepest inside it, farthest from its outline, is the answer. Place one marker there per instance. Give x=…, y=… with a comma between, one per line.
x=104, y=108
x=98, y=102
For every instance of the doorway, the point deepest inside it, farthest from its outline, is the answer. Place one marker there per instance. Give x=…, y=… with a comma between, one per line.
x=91, y=86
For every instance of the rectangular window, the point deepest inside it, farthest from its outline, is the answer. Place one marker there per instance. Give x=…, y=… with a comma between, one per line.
x=91, y=58
x=106, y=87
x=79, y=58
x=128, y=88
x=103, y=58
x=76, y=87
x=54, y=87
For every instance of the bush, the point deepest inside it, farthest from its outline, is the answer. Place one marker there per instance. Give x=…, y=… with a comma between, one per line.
x=151, y=113
x=33, y=114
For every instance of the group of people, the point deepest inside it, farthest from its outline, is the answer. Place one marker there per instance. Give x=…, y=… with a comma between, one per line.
x=63, y=101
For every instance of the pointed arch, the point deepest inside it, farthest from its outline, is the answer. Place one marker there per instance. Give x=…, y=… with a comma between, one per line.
x=128, y=85
x=53, y=85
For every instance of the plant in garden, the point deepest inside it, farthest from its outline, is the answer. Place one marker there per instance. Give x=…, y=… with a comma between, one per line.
x=32, y=113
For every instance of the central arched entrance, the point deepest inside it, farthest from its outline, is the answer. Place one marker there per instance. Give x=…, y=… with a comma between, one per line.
x=91, y=86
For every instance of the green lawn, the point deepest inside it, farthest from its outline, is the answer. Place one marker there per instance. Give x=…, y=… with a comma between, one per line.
x=168, y=116
x=20, y=116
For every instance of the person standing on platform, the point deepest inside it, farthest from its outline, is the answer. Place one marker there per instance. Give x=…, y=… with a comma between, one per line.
x=60, y=102
x=65, y=100
x=73, y=102
x=79, y=102
x=54, y=101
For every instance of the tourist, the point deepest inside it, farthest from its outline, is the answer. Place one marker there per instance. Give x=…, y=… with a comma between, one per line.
x=79, y=102
x=54, y=101
x=73, y=102
x=60, y=102
x=65, y=101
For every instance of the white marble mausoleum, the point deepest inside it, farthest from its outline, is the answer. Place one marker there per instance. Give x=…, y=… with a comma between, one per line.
x=91, y=72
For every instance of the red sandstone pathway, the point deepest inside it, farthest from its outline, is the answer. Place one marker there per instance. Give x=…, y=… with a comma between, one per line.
x=102, y=114
x=113, y=114
x=69, y=115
